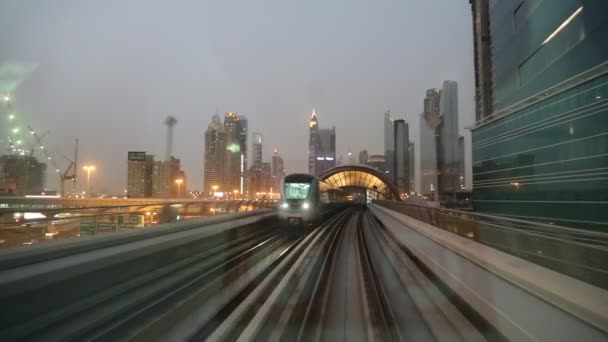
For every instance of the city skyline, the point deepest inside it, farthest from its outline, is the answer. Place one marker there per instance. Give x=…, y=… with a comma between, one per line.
x=350, y=73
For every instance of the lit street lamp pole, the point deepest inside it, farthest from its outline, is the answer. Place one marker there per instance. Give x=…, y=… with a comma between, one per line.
x=88, y=169
x=179, y=184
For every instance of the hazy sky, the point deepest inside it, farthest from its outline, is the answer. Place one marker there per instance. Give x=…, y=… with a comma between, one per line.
x=110, y=71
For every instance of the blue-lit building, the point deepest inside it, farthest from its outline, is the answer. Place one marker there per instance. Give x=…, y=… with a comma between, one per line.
x=540, y=143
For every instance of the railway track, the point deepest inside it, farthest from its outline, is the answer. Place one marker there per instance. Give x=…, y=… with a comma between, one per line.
x=346, y=279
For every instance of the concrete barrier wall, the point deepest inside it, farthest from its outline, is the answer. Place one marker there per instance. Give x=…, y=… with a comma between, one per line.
x=522, y=300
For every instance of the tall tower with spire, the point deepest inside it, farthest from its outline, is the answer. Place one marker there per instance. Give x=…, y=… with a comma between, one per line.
x=313, y=142
x=321, y=147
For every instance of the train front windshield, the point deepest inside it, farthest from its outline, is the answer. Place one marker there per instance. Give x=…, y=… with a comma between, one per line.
x=296, y=190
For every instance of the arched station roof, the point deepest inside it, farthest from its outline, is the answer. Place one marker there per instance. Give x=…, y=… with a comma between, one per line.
x=360, y=176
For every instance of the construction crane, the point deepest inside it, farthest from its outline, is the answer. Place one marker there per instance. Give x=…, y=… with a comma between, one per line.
x=71, y=171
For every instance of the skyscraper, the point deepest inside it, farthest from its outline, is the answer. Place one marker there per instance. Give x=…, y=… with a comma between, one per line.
x=430, y=122
x=257, y=150
x=461, y=171
x=389, y=147
x=313, y=141
x=255, y=181
x=449, y=156
x=266, y=179
x=432, y=101
x=214, y=159
x=412, y=168
x=542, y=129
x=326, y=151
x=401, y=156
x=233, y=153
x=278, y=171
x=164, y=174
x=363, y=157
x=242, y=130
x=139, y=174
x=322, y=147
x=482, y=41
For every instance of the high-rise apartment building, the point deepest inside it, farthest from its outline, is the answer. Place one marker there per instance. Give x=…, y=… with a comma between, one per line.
x=542, y=129
x=139, y=174
x=164, y=175
x=214, y=158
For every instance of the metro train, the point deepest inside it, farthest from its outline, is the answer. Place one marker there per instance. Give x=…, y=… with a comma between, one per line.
x=306, y=198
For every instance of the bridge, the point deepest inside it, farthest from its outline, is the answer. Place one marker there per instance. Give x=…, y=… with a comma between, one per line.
x=387, y=270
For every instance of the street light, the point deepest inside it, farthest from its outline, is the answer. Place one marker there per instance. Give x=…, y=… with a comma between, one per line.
x=235, y=192
x=88, y=169
x=179, y=183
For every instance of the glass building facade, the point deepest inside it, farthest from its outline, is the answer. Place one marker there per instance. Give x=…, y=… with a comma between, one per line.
x=449, y=155
x=541, y=152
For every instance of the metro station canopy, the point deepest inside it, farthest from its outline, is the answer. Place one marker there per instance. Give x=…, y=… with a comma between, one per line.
x=360, y=176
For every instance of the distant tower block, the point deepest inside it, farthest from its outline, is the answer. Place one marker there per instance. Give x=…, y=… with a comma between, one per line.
x=170, y=122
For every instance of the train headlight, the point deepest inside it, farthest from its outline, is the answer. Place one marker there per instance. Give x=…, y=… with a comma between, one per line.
x=284, y=205
x=305, y=205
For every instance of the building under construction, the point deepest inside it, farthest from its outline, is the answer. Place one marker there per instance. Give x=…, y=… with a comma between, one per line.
x=21, y=175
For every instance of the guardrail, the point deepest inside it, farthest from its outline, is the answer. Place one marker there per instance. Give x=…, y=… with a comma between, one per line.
x=521, y=300
x=575, y=252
